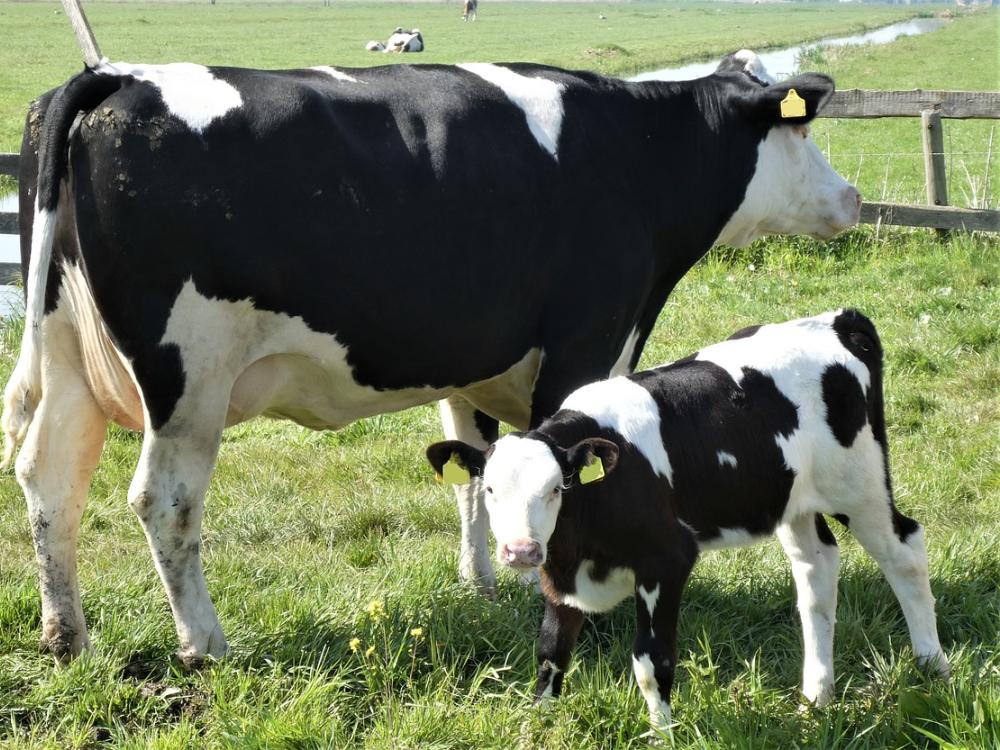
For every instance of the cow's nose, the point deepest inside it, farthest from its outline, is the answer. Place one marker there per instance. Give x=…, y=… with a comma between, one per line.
x=522, y=553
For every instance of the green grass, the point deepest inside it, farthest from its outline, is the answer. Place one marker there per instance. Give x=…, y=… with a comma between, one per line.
x=304, y=529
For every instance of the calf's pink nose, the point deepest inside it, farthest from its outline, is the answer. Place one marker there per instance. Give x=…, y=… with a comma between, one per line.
x=522, y=552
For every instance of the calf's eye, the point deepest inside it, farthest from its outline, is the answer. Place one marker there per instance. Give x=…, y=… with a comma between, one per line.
x=489, y=490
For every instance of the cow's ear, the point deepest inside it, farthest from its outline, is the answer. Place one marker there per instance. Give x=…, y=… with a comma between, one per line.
x=456, y=462
x=592, y=459
x=794, y=101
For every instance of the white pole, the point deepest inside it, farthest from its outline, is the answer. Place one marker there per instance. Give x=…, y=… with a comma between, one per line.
x=84, y=35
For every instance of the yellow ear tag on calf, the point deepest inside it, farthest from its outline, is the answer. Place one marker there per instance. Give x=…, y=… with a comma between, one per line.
x=592, y=472
x=454, y=473
x=793, y=105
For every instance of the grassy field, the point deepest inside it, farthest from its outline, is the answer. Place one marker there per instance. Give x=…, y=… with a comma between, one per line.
x=304, y=530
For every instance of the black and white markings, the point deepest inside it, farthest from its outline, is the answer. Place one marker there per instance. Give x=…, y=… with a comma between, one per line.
x=207, y=302
x=762, y=434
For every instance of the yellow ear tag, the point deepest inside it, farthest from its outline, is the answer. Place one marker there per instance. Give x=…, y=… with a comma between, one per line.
x=793, y=105
x=592, y=472
x=454, y=473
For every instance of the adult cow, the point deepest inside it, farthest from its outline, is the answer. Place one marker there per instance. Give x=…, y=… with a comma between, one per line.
x=212, y=244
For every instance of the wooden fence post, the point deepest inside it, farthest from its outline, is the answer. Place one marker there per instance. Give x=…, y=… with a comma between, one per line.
x=934, y=170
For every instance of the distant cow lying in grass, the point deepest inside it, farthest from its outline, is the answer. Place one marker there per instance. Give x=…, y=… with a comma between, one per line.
x=401, y=40
x=760, y=434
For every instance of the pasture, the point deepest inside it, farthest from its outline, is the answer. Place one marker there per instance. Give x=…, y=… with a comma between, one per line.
x=305, y=530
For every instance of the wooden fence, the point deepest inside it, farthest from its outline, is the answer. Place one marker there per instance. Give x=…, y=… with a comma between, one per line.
x=930, y=106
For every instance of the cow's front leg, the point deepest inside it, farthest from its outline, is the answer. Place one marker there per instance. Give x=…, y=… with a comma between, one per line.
x=560, y=628
x=462, y=421
x=168, y=496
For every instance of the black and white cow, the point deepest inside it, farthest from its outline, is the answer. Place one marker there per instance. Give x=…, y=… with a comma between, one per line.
x=761, y=434
x=211, y=244
x=401, y=40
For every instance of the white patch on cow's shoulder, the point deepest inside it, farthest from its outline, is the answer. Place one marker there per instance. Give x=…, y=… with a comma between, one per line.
x=539, y=98
x=189, y=91
x=623, y=365
x=334, y=73
x=754, y=66
x=621, y=405
x=600, y=596
x=727, y=459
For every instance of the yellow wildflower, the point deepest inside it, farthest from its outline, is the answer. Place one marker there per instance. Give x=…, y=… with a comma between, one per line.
x=355, y=644
x=376, y=610
x=417, y=632
x=370, y=650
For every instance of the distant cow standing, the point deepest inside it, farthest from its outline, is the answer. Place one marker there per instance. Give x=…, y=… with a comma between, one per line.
x=761, y=434
x=470, y=10
x=168, y=293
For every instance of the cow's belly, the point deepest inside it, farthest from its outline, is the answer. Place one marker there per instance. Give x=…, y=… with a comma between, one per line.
x=268, y=364
x=280, y=367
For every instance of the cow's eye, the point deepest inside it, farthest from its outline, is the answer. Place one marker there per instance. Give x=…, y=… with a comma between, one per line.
x=489, y=490
x=555, y=492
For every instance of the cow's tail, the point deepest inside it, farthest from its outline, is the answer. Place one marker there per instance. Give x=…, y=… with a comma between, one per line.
x=81, y=93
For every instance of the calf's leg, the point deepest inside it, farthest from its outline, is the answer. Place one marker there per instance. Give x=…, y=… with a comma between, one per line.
x=60, y=452
x=168, y=495
x=897, y=544
x=654, y=654
x=560, y=629
x=462, y=421
x=815, y=557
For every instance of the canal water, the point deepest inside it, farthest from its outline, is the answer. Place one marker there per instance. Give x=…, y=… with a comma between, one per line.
x=782, y=63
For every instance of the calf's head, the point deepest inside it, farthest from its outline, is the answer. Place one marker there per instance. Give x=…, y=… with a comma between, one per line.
x=524, y=479
x=793, y=190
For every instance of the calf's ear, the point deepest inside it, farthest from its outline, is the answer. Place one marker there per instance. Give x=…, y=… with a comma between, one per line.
x=794, y=101
x=581, y=459
x=459, y=457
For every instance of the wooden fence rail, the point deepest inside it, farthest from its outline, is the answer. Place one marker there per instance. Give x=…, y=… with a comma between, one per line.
x=930, y=106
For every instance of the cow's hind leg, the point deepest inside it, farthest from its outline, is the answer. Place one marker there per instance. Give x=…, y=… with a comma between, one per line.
x=812, y=548
x=60, y=452
x=897, y=544
x=462, y=421
x=168, y=495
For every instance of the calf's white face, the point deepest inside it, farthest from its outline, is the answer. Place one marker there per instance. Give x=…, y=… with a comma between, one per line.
x=523, y=484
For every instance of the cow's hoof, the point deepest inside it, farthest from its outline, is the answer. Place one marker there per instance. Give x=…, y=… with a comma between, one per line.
x=936, y=664
x=192, y=658
x=64, y=642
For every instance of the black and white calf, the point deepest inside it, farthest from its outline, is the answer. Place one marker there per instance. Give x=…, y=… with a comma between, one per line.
x=762, y=434
x=168, y=293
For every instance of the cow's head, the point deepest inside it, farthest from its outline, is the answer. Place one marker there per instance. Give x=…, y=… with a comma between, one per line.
x=524, y=479
x=794, y=190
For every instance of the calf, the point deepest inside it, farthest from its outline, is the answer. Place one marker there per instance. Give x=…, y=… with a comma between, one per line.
x=763, y=433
